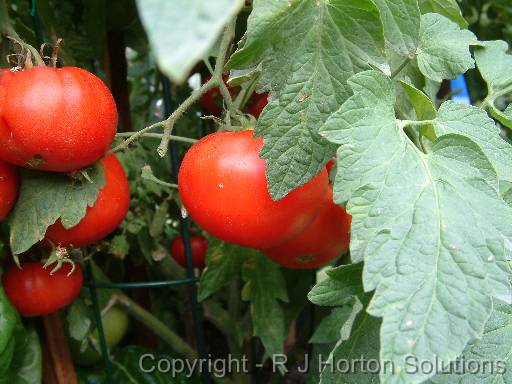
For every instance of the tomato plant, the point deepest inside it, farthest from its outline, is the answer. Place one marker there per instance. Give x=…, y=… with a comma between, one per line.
x=222, y=184
x=327, y=237
x=9, y=183
x=104, y=216
x=34, y=291
x=199, y=246
x=55, y=119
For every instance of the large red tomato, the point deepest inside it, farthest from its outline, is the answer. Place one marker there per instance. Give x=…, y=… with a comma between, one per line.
x=34, y=292
x=325, y=239
x=55, y=119
x=9, y=183
x=199, y=247
x=104, y=216
x=223, y=186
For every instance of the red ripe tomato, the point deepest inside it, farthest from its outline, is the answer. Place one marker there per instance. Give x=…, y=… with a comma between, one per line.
x=9, y=183
x=325, y=239
x=256, y=104
x=104, y=216
x=34, y=292
x=55, y=119
x=199, y=247
x=223, y=186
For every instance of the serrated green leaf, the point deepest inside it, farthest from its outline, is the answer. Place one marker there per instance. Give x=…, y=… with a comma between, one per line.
x=8, y=320
x=341, y=284
x=223, y=264
x=432, y=228
x=46, y=197
x=361, y=343
x=447, y=8
x=27, y=362
x=329, y=328
x=492, y=354
x=78, y=320
x=474, y=123
x=268, y=321
x=423, y=107
x=495, y=66
x=307, y=49
x=177, y=45
x=443, y=52
x=401, y=21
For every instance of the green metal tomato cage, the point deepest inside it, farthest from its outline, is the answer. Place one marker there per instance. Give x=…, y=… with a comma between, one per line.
x=190, y=281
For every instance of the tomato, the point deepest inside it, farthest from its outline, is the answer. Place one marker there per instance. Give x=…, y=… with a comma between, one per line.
x=55, y=119
x=9, y=184
x=104, y=216
x=256, y=104
x=223, y=186
x=325, y=239
x=199, y=247
x=34, y=292
x=115, y=325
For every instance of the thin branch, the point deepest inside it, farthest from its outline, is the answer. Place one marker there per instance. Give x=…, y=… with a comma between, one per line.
x=399, y=69
x=159, y=136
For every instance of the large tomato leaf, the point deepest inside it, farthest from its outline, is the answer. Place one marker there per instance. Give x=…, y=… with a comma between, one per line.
x=486, y=360
x=182, y=31
x=27, y=362
x=447, y=8
x=494, y=64
x=307, y=49
x=46, y=197
x=432, y=228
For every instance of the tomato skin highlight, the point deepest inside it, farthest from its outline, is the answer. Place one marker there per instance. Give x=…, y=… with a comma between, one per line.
x=325, y=239
x=34, y=292
x=223, y=186
x=9, y=185
x=199, y=247
x=104, y=216
x=55, y=119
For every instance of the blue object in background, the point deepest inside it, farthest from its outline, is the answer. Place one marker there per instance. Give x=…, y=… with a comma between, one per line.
x=459, y=84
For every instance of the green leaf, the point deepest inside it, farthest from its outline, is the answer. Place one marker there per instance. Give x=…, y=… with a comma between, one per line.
x=8, y=320
x=432, y=228
x=423, y=107
x=363, y=343
x=78, y=320
x=268, y=321
x=474, y=123
x=329, y=328
x=443, y=52
x=340, y=285
x=46, y=197
x=27, y=363
x=182, y=32
x=401, y=21
x=495, y=64
x=223, y=264
x=495, y=347
x=447, y=8
x=307, y=49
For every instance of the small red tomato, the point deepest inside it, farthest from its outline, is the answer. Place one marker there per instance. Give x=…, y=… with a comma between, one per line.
x=223, y=186
x=325, y=239
x=34, y=292
x=55, y=119
x=199, y=247
x=104, y=216
x=9, y=184
x=257, y=103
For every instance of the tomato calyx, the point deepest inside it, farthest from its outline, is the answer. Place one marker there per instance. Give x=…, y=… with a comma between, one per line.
x=59, y=256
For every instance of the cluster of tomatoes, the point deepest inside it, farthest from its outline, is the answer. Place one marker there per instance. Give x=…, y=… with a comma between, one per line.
x=223, y=186
x=58, y=120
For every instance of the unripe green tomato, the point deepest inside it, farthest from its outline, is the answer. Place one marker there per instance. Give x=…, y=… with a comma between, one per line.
x=115, y=326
